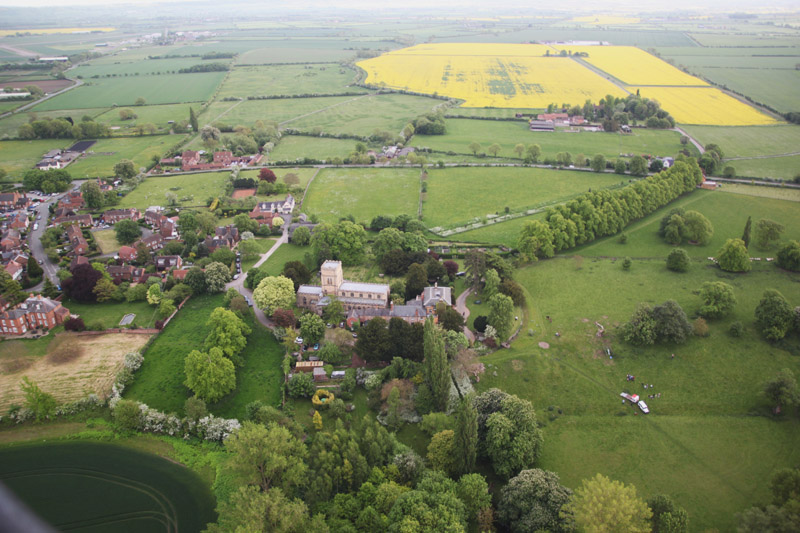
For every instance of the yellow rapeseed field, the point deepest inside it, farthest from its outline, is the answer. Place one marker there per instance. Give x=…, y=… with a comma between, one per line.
x=705, y=106
x=634, y=66
x=489, y=75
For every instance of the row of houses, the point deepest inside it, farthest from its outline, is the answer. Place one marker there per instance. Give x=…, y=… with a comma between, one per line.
x=191, y=160
x=12, y=233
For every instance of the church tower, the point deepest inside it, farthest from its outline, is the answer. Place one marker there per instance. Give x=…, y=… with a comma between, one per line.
x=332, y=277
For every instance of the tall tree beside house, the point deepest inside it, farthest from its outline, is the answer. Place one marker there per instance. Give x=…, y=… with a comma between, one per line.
x=92, y=194
x=127, y=231
x=475, y=264
x=193, y=120
x=437, y=368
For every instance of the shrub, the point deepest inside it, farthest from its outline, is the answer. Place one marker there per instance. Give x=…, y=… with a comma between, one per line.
x=322, y=398
x=127, y=415
x=736, y=329
x=480, y=323
x=623, y=238
x=348, y=384
x=626, y=263
x=74, y=324
x=678, y=260
x=301, y=385
x=700, y=328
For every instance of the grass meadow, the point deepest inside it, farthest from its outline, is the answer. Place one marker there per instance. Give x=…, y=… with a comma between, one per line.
x=727, y=213
x=159, y=115
x=287, y=252
x=109, y=314
x=292, y=147
x=772, y=167
x=505, y=233
x=100, y=159
x=135, y=67
x=191, y=189
x=164, y=89
x=107, y=240
x=288, y=79
x=363, y=193
x=159, y=383
x=363, y=115
x=10, y=125
x=263, y=247
x=745, y=141
x=303, y=174
x=462, y=132
x=248, y=112
x=491, y=190
x=18, y=156
x=769, y=85
x=710, y=432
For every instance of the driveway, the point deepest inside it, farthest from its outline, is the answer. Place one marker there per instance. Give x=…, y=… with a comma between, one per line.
x=461, y=307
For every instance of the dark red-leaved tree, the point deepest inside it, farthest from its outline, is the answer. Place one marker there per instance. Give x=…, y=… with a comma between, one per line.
x=80, y=286
x=284, y=317
x=451, y=267
x=267, y=175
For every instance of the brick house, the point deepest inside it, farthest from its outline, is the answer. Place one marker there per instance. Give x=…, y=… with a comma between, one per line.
x=179, y=274
x=153, y=217
x=166, y=262
x=8, y=200
x=153, y=242
x=126, y=273
x=77, y=261
x=112, y=216
x=14, y=269
x=84, y=221
x=72, y=200
x=284, y=207
x=10, y=240
x=18, y=221
x=224, y=236
x=127, y=254
x=168, y=228
x=35, y=312
x=76, y=239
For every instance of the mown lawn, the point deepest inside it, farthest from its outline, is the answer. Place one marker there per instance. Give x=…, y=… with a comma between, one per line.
x=100, y=159
x=459, y=195
x=263, y=247
x=160, y=115
x=10, y=125
x=248, y=112
x=294, y=147
x=744, y=141
x=362, y=193
x=303, y=175
x=462, y=132
x=287, y=252
x=18, y=156
x=106, y=240
x=191, y=189
x=110, y=313
x=159, y=383
x=709, y=441
x=785, y=168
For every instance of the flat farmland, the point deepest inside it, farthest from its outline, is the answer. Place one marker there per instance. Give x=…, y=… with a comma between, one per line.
x=457, y=195
x=772, y=86
x=293, y=147
x=101, y=158
x=361, y=115
x=778, y=193
x=744, y=141
x=303, y=174
x=165, y=89
x=191, y=189
x=705, y=106
x=785, y=168
x=248, y=112
x=462, y=132
x=18, y=156
x=505, y=233
x=10, y=125
x=489, y=75
x=159, y=115
x=74, y=367
x=363, y=193
x=137, y=67
x=299, y=50
x=625, y=37
x=288, y=79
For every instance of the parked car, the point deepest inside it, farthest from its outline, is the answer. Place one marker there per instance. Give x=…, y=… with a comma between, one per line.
x=35, y=226
x=298, y=340
x=316, y=346
x=40, y=261
x=236, y=276
x=643, y=406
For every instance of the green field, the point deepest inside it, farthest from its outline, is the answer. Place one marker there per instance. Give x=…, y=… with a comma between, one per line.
x=494, y=112
x=109, y=314
x=726, y=212
x=505, y=233
x=18, y=156
x=100, y=159
x=288, y=79
x=293, y=147
x=774, y=167
x=706, y=435
x=165, y=89
x=248, y=112
x=287, y=252
x=779, y=193
x=491, y=190
x=103, y=487
x=744, y=141
x=363, y=193
x=10, y=125
x=159, y=115
x=134, y=67
x=462, y=132
x=303, y=174
x=770, y=86
x=191, y=189
x=159, y=383
x=362, y=116
x=106, y=240
x=263, y=247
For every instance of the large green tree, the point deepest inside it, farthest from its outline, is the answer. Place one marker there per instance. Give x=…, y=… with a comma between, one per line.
x=789, y=256
x=678, y=260
x=466, y=435
x=250, y=509
x=345, y=241
x=501, y=315
x=210, y=375
x=127, y=231
x=124, y=170
x=774, y=315
x=437, y=368
x=42, y=404
x=534, y=500
x=667, y=517
x=733, y=256
x=718, y=299
x=92, y=194
x=227, y=332
x=513, y=437
x=767, y=232
x=697, y=228
x=782, y=391
x=416, y=280
x=312, y=328
x=601, y=505
x=217, y=275
x=274, y=292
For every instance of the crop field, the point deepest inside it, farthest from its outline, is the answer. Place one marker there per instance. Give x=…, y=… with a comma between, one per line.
x=733, y=40
x=462, y=132
x=101, y=158
x=48, y=31
x=705, y=106
x=18, y=156
x=73, y=367
x=711, y=388
x=191, y=189
x=727, y=213
x=361, y=115
x=288, y=79
x=10, y=125
x=489, y=75
x=307, y=50
x=778, y=193
x=125, y=66
x=773, y=167
x=293, y=147
x=619, y=36
x=164, y=89
x=633, y=66
x=248, y=112
x=771, y=86
x=94, y=486
x=750, y=141
x=363, y=193
x=491, y=190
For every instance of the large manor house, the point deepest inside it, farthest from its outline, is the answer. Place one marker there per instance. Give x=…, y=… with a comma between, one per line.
x=364, y=301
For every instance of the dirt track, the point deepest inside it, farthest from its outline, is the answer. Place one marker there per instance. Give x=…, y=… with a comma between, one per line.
x=75, y=367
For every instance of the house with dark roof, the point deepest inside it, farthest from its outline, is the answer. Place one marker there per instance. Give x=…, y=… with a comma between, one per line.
x=153, y=242
x=11, y=200
x=224, y=236
x=126, y=273
x=35, y=312
x=76, y=239
x=167, y=262
x=112, y=216
x=84, y=221
x=18, y=221
x=77, y=261
x=280, y=207
x=10, y=240
x=72, y=200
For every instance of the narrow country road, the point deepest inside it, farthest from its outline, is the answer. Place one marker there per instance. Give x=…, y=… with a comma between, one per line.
x=461, y=307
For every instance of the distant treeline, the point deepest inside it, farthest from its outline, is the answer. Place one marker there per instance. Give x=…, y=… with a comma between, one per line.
x=208, y=67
